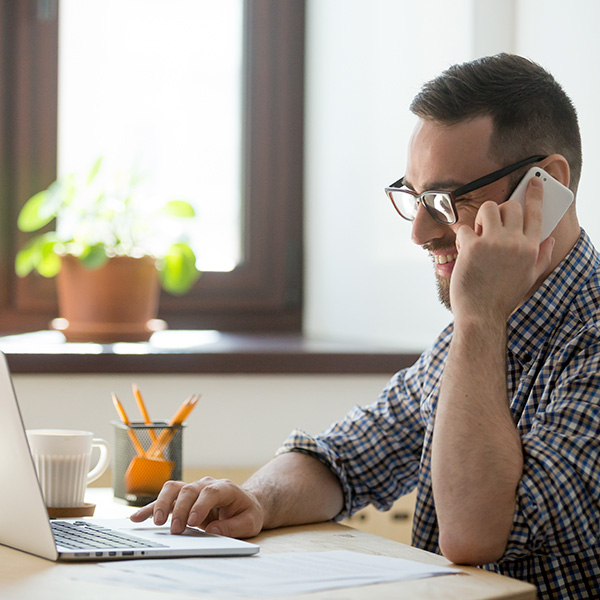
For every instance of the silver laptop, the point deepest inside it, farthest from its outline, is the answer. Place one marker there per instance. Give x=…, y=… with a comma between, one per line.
x=25, y=525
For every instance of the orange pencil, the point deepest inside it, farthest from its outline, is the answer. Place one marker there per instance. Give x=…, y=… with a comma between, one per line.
x=178, y=418
x=184, y=410
x=142, y=406
x=123, y=415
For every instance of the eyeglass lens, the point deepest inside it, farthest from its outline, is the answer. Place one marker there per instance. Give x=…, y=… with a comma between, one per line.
x=438, y=205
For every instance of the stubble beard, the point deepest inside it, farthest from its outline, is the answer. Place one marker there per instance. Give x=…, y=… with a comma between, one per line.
x=443, y=289
x=443, y=283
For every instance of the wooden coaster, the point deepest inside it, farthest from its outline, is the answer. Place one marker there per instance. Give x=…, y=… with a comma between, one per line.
x=71, y=512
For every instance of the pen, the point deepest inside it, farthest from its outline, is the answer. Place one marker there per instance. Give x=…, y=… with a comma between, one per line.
x=123, y=415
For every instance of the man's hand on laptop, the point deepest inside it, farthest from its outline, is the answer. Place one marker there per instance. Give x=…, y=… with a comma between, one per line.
x=216, y=505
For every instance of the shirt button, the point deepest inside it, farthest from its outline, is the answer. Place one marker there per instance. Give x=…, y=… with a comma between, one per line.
x=527, y=357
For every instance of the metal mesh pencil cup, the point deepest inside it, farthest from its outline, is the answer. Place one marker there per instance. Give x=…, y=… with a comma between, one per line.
x=144, y=458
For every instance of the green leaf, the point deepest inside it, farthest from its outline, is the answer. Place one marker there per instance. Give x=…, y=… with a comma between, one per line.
x=33, y=216
x=24, y=263
x=44, y=206
x=94, y=256
x=178, y=208
x=177, y=269
x=39, y=254
x=49, y=264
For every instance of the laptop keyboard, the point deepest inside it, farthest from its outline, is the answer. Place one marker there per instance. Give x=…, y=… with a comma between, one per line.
x=79, y=535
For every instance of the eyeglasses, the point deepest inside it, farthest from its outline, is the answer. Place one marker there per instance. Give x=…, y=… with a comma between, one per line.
x=442, y=205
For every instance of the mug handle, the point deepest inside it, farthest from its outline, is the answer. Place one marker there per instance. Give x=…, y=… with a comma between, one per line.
x=103, y=461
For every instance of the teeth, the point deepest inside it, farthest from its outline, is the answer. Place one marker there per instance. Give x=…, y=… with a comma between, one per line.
x=442, y=259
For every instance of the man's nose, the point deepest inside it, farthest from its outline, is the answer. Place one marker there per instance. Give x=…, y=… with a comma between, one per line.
x=425, y=229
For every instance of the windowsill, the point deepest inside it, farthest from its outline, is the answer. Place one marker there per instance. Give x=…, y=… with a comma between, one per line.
x=198, y=352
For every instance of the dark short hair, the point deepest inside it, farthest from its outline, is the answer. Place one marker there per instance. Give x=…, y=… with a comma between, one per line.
x=530, y=111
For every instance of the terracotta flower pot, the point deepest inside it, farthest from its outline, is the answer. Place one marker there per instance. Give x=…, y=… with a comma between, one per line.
x=116, y=303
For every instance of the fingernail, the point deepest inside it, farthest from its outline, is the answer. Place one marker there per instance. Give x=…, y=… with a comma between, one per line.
x=192, y=519
x=158, y=516
x=215, y=530
x=175, y=525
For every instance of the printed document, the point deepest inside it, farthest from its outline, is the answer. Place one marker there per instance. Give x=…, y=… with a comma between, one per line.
x=262, y=575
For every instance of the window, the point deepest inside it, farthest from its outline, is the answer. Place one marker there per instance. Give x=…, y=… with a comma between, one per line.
x=154, y=87
x=263, y=291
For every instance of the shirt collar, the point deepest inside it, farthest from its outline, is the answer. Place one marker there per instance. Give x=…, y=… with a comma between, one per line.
x=532, y=323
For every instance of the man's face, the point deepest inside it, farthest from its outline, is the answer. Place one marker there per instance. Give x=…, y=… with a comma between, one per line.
x=442, y=158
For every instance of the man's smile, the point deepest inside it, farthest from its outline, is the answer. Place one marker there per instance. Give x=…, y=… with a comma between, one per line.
x=442, y=259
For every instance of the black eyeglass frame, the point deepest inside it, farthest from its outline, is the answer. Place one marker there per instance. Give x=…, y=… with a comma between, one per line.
x=454, y=195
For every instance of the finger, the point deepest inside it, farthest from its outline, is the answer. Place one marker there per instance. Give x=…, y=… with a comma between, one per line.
x=545, y=254
x=195, y=521
x=186, y=500
x=165, y=501
x=463, y=235
x=511, y=213
x=533, y=208
x=161, y=507
x=242, y=525
x=143, y=513
x=222, y=495
x=488, y=216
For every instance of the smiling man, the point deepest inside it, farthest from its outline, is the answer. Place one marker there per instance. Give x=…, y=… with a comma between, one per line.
x=497, y=425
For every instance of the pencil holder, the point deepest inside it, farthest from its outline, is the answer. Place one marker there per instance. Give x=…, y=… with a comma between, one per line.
x=144, y=458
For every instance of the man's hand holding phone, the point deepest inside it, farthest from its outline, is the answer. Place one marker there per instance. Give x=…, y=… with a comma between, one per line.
x=556, y=198
x=500, y=260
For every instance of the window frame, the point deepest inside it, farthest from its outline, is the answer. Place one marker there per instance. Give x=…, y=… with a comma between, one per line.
x=264, y=293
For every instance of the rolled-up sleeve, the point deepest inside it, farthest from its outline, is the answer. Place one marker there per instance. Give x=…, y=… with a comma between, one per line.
x=376, y=449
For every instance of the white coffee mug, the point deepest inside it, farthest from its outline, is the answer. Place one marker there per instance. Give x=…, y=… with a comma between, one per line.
x=62, y=461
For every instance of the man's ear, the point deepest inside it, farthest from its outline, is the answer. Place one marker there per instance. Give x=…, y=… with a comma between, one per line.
x=557, y=166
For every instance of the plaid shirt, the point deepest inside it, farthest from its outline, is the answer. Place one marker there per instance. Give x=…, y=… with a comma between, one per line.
x=383, y=451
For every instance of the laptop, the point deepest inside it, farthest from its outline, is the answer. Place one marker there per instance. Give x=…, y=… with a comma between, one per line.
x=25, y=525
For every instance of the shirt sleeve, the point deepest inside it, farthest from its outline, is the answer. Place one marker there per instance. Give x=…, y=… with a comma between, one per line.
x=558, y=497
x=376, y=449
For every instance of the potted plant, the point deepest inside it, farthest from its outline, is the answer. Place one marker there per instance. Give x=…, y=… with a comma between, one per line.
x=110, y=249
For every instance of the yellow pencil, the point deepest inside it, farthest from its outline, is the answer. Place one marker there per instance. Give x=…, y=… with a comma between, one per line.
x=123, y=415
x=166, y=435
x=142, y=406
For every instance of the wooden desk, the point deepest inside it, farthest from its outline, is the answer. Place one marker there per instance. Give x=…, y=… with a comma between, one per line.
x=26, y=577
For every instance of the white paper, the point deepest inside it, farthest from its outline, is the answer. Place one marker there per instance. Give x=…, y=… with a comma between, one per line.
x=262, y=575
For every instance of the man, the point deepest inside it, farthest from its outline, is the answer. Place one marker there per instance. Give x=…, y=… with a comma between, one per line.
x=498, y=424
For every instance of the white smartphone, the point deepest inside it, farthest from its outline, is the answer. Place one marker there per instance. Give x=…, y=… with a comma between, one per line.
x=557, y=198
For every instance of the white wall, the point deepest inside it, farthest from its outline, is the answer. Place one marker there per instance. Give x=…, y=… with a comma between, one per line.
x=240, y=421
x=366, y=59
x=564, y=37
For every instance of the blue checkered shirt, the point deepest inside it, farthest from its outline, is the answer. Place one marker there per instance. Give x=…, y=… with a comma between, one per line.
x=383, y=451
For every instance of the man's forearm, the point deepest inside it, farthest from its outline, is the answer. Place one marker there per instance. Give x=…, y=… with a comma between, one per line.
x=294, y=489
x=477, y=459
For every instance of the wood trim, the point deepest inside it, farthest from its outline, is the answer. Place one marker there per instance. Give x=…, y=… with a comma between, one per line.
x=265, y=292
x=28, y=136
x=232, y=353
x=293, y=363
